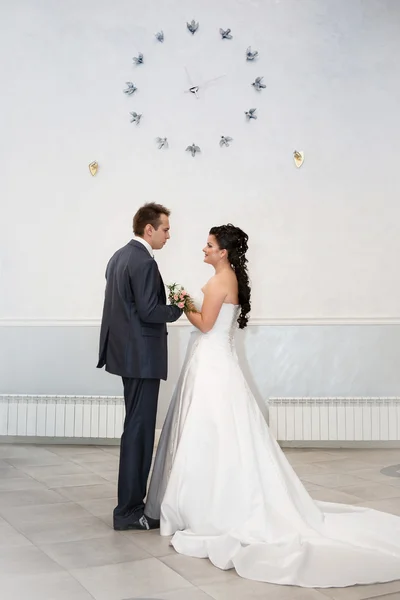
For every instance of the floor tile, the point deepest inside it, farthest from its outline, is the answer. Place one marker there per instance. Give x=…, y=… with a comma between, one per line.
x=111, y=477
x=87, y=492
x=310, y=456
x=374, y=474
x=10, y=537
x=308, y=469
x=28, y=560
x=22, y=498
x=371, y=474
x=244, y=589
x=142, y=577
x=96, y=458
x=376, y=456
x=311, y=487
x=108, y=549
x=49, y=586
x=102, y=467
x=114, y=450
x=34, y=456
x=108, y=519
x=45, y=472
x=47, y=513
x=371, y=491
x=9, y=472
x=362, y=592
x=152, y=542
x=394, y=596
x=70, y=450
x=333, y=480
x=342, y=465
x=23, y=482
x=100, y=507
x=70, y=528
x=186, y=594
x=392, y=481
x=199, y=571
x=13, y=451
x=63, y=530
x=332, y=495
x=74, y=479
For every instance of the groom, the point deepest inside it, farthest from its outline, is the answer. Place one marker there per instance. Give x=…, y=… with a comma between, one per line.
x=133, y=344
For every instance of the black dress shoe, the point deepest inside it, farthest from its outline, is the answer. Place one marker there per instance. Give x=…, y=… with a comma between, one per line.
x=153, y=523
x=142, y=523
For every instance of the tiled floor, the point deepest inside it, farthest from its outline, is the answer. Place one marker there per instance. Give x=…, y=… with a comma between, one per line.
x=57, y=543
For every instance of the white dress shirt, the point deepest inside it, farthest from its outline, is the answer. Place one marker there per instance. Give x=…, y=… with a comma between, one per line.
x=145, y=244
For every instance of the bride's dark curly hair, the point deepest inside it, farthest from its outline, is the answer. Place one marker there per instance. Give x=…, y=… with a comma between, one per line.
x=234, y=240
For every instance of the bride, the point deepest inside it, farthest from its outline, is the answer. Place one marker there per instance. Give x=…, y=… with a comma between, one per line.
x=221, y=485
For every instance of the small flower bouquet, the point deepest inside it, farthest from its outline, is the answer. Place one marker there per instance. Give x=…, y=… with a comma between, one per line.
x=179, y=297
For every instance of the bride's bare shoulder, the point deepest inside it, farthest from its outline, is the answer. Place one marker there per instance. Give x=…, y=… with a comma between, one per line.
x=214, y=283
x=207, y=284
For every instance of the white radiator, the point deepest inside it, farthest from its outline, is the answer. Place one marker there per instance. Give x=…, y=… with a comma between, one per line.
x=290, y=419
x=335, y=419
x=62, y=416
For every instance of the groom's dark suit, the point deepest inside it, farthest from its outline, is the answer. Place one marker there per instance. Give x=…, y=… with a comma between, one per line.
x=133, y=344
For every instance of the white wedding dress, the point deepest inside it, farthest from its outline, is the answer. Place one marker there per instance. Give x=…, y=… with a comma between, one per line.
x=228, y=493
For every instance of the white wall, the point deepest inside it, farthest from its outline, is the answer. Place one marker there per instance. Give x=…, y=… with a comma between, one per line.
x=302, y=360
x=324, y=239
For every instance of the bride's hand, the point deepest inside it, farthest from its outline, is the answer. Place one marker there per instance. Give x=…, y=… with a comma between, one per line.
x=190, y=307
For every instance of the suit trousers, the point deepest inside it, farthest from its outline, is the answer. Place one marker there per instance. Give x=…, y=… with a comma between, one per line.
x=137, y=443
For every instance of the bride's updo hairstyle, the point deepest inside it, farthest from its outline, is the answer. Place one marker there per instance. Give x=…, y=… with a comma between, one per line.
x=234, y=240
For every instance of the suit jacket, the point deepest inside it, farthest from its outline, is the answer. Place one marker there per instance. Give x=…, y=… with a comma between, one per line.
x=133, y=336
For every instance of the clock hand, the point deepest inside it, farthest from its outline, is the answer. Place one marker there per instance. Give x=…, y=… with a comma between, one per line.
x=193, y=88
x=201, y=85
x=188, y=76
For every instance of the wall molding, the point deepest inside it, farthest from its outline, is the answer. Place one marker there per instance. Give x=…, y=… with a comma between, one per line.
x=254, y=322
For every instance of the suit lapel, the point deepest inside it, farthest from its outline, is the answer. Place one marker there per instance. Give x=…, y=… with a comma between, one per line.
x=144, y=249
x=163, y=295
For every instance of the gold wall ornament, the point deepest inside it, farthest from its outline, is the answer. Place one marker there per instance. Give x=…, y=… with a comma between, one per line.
x=298, y=158
x=93, y=167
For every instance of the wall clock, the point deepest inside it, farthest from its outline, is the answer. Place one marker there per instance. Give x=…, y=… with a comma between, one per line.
x=194, y=87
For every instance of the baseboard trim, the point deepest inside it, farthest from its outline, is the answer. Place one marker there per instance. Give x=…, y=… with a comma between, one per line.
x=336, y=445
x=57, y=441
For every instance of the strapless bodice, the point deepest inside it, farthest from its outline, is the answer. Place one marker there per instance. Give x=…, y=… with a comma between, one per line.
x=226, y=323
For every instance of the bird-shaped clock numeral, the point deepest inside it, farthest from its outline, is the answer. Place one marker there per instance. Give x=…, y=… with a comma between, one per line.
x=135, y=117
x=160, y=36
x=251, y=55
x=139, y=59
x=250, y=114
x=258, y=84
x=225, y=140
x=130, y=89
x=226, y=34
x=162, y=142
x=192, y=26
x=193, y=149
